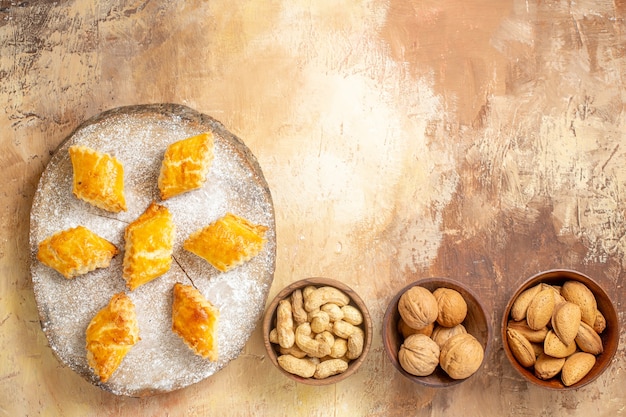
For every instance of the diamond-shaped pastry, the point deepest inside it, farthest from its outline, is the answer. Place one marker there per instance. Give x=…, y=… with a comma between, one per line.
x=228, y=242
x=185, y=165
x=98, y=178
x=195, y=320
x=149, y=245
x=76, y=251
x=110, y=335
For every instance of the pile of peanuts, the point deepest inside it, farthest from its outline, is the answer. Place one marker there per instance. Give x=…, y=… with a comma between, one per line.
x=317, y=332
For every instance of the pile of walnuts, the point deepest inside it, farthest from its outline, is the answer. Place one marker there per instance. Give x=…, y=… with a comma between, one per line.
x=431, y=324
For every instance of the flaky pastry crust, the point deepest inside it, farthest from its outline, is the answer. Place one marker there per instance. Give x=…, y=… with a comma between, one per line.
x=111, y=334
x=98, y=178
x=149, y=245
x=185, y=165
x=195, y=321
x=228, y=242
x=76, y=251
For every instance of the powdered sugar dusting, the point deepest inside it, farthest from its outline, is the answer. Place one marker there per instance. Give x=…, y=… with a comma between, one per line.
x=138, y=136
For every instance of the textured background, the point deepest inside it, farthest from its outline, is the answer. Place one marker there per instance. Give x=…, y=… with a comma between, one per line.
x=478, y=140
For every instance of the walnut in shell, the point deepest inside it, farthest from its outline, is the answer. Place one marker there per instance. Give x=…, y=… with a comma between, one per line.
x=461, y=356
x=419, y=355
x=407, y=331
x=418, y=307
x=441, y=334
x=452, y=308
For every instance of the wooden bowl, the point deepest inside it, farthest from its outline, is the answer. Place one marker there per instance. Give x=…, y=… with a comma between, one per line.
x=477, y=323
x=610, y=336
x=269, y=322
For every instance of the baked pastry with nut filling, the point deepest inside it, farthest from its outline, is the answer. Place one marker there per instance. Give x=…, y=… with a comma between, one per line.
x=98, y=178
x=110, y=335
x=185, y=165
x=149, y=245
x=195, y=321
x=228, y=242
x=76, y=251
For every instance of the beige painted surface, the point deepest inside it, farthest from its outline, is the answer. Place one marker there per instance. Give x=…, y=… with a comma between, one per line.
x=479, y=140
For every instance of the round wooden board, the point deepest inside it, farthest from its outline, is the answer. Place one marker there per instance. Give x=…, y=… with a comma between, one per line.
x=137, y=136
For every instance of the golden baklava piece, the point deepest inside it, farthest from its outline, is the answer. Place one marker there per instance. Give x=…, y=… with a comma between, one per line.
x=185, y=165
x=195, y=321
x=110, y=335
x=98, y=178
x=148, y=247
x=228, y=242
x=75, y=251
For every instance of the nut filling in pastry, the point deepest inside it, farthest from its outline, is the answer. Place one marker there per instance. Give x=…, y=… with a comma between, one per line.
x=111, y=334
x=228, y=242
x=98, y=179
x=185, y=165
x=195, y=320
x=75, y=252
x=149, y=246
